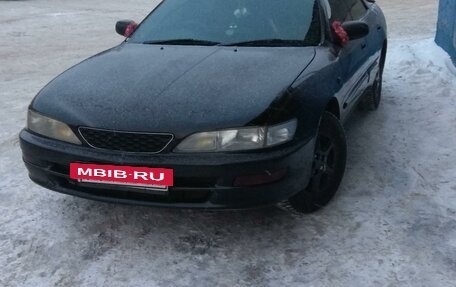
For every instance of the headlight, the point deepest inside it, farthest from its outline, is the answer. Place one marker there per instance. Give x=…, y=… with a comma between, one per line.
x=239, y=139
x=50, y=128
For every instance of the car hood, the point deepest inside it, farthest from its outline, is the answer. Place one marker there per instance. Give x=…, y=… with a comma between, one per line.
x=177, y=89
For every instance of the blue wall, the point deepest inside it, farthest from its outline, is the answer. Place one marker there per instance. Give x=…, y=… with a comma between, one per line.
x=446, y=27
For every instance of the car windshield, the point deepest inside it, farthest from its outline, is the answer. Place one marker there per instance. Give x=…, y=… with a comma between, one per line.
x=231, y=22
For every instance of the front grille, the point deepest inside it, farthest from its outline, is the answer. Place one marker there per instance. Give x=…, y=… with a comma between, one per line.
x=126, y=141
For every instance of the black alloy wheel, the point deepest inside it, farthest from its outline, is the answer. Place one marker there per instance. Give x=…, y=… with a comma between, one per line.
x=328, y=167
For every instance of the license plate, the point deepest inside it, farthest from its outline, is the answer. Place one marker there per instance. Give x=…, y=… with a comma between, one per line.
x=130, y=176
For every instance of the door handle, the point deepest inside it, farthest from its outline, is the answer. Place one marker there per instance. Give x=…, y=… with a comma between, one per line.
x=363, y=45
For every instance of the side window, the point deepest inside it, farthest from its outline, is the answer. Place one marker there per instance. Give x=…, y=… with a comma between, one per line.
x=339, y=11
x=357, y=8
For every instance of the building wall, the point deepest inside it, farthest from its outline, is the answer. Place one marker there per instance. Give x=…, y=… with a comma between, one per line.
x=446, y=27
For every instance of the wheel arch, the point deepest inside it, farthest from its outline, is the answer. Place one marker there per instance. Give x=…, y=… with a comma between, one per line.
x=383, y=54
x=333, y=107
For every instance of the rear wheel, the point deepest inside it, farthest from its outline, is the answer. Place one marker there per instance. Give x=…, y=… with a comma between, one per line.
x=327, y=169
x=373, y=96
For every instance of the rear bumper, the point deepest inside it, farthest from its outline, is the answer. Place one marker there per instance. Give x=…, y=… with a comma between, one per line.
x=201, y=180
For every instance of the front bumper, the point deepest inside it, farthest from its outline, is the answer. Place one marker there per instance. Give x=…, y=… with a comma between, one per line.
x=201, y=180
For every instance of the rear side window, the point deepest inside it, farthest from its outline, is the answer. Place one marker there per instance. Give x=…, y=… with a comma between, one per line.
x=339, y=11
x=357, y=8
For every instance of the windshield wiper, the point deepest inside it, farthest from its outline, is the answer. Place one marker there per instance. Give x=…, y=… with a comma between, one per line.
x=268, y=43
x=183, y=42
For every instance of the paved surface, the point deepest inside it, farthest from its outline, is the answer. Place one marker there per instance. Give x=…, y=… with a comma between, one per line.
x=393, y=223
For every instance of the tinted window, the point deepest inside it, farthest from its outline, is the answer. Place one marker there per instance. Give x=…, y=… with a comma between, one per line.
x=339, y=11
x=228, y=21
x=357, y=8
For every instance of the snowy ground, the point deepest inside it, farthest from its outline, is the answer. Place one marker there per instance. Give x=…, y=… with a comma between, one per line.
x=393, y=223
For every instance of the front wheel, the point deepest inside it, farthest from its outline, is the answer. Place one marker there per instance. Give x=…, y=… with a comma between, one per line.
x=328, y=167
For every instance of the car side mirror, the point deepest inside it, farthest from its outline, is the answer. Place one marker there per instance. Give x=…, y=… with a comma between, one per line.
x=356, y=29
x=126, y=27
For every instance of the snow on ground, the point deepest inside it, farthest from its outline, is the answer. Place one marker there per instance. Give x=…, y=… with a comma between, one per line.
x=393, y=223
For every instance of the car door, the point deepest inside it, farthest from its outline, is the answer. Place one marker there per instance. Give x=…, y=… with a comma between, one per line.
x=352, y=56
x=375, y=38
x=363, y=50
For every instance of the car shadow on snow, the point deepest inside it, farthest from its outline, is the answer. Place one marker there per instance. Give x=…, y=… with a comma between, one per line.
x=195, y=232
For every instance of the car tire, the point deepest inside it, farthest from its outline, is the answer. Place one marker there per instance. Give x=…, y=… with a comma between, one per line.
x=372, y=97
x=328, y=167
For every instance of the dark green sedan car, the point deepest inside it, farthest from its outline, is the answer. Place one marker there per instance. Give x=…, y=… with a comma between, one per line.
x=213, y=104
